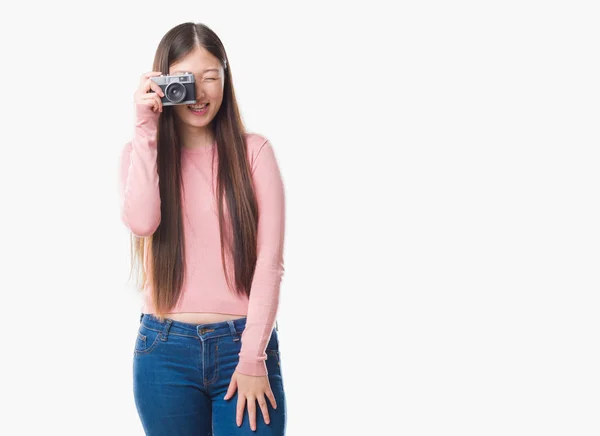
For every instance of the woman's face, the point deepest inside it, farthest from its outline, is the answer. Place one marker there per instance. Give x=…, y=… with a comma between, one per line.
x=209, y=77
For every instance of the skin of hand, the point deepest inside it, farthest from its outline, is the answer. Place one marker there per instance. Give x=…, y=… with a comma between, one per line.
x=251, y=389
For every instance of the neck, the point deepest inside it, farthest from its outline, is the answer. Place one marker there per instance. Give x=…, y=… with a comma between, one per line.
x=194, y=137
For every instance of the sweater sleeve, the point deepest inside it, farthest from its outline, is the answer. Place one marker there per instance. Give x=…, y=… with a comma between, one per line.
x=264, y=294
x=138, y=182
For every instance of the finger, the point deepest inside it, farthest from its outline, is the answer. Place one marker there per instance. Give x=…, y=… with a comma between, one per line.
x=271, y=398
x=240, y=410
x=153, y=101
x=158, y=102
x=152, y=85
x=231, y=389
x=252, y=412
x=262, y=403
x=147, y=87
x=149, y=74
x=147, y=99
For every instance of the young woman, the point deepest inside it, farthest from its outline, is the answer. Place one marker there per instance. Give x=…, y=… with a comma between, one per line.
x=204, y=201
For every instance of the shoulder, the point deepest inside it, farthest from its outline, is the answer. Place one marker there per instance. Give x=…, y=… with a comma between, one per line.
x=256, y=143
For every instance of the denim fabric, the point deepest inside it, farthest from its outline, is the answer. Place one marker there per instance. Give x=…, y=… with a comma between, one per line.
x=182, y=371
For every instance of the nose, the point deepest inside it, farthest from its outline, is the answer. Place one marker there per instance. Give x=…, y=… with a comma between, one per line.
x=199, y=94
x=199, y=89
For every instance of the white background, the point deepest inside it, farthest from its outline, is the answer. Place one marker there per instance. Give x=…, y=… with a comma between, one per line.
x=441, y=164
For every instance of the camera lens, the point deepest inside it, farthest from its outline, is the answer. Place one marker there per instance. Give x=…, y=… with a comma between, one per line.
x=175, y=92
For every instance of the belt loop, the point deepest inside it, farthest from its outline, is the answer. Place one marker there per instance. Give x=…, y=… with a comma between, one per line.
x=165, y=331
x=234, y=333
x=276, y=326
x=141, y=316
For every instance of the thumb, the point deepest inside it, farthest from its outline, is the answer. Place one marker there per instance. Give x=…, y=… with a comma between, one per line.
x=231, y=389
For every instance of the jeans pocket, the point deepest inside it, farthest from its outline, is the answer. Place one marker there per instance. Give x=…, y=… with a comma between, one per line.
x=147, y=340
x=273, y=344
x=273, y=362
x=273, y=354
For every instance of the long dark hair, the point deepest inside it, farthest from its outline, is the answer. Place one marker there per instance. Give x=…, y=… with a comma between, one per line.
x=163, y=253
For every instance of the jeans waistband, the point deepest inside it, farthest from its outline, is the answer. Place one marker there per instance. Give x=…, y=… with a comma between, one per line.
x=203, y=331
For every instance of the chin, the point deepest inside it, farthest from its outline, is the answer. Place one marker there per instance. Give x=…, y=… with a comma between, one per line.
x=198, y=123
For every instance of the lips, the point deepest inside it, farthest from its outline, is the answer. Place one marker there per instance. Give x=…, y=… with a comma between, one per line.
x=199, y=112
x=198, y=107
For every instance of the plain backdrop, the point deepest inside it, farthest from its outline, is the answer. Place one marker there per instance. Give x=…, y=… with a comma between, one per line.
x=440, y=161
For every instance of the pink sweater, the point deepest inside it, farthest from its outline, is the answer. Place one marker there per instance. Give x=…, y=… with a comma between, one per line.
x=204, y=287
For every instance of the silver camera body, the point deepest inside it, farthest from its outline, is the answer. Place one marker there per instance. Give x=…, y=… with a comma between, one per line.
x=178, y=89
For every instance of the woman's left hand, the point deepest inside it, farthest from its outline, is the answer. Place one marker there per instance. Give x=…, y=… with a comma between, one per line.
x=251, y=389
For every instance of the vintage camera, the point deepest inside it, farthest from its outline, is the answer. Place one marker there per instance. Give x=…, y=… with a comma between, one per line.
x=178, y=89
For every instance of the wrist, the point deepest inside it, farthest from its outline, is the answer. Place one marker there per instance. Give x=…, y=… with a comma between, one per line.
x=254, y=368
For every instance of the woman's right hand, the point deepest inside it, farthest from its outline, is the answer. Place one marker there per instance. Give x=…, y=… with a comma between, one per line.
x=143, y=96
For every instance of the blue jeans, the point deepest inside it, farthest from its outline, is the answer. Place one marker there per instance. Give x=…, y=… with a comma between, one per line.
x=182, y=371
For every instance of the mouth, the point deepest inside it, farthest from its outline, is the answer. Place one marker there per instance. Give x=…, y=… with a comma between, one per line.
x=199, y=109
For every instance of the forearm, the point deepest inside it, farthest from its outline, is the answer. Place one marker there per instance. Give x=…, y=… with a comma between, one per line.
x=264, y=295
x=140, y=194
